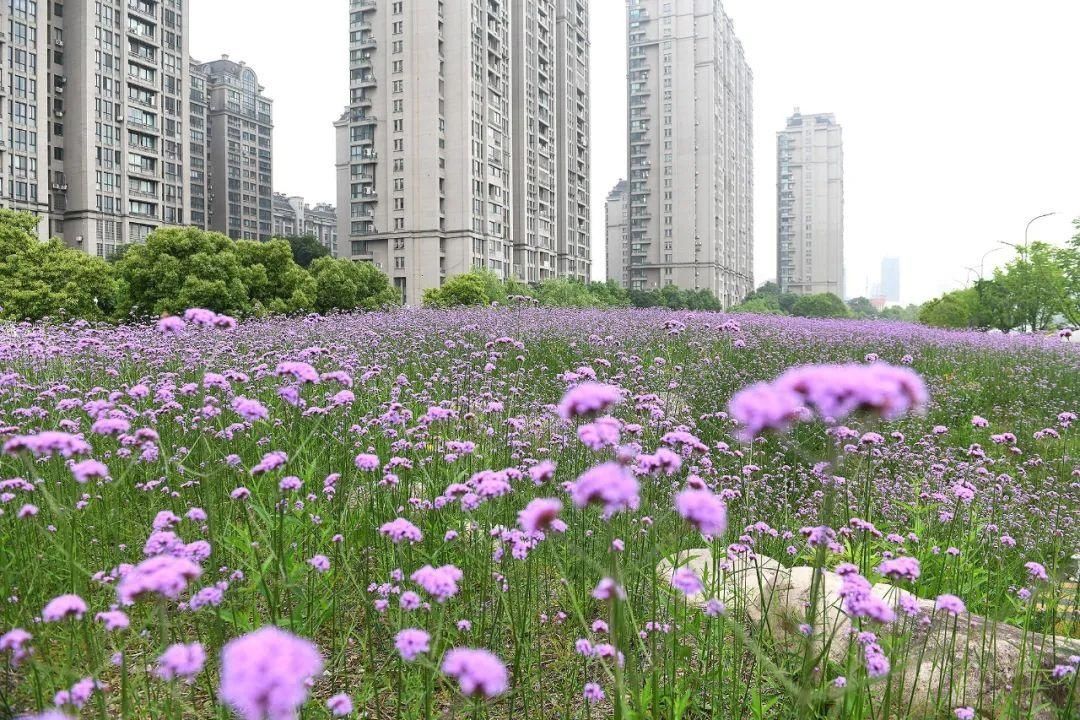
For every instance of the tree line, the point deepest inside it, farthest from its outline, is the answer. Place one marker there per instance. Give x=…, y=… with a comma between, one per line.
x=175, y=269
x=180, y=268
x=1038, y=290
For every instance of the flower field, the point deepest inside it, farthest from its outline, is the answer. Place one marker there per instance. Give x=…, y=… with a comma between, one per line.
x=537, y=514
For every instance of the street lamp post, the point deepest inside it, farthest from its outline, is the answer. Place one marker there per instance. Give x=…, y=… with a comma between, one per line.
x=1039, y=217
x=1023, y=249
x=982, y=262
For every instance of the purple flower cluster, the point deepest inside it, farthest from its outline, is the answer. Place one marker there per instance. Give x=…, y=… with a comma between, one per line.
x=264, y=674
x=478, y=672
x=832, y=391
x=610, y=485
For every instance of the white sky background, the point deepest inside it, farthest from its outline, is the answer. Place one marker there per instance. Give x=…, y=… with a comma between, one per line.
x=960, y=117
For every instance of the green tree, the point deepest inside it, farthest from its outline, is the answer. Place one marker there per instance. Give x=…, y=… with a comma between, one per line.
x=1036, y=283
x=306, y=249
x=274, y=282
x=179, y=268
x=909, y=313
x=49, y=279
x=757, y=306
x=564, y=293
x=767, y=290
x=645, y=298
x=993, y=306
x=347, y=285
x=862, y=308
x=458, y=291
x=704, y=300
x=952, y=310
x=609, y=294
x=1069, y=261
x=770, y=294
x=823, y=305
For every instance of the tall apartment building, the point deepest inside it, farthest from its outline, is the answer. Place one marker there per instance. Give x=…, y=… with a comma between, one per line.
x=550, y=128
x=294, y=217
x=122, y=91
x=237, y=183
x=444, y=98
x=572, y=159
x=810, y=205
x=690, y=124
x=27, y=113
x=616, y=235
x=199, y=150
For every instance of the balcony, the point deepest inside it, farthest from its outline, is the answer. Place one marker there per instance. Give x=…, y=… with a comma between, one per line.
x=146, y=9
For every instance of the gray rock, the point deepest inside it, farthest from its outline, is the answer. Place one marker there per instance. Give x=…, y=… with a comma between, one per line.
x=947, y=662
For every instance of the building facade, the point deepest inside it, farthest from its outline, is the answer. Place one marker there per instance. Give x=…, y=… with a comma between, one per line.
x=28, y=115
x=890, y=279
x=616, y=235
x=690, y=127
x=572, y=130
x=238, y=140
x=294, y=218
x=117, y=99
x=198, y=150
x=810, y=206
x=444, y=97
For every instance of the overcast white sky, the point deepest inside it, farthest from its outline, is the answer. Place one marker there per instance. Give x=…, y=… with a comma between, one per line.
x=960, y=116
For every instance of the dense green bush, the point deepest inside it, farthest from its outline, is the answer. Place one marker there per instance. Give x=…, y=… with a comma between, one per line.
x=175, y=269
x=49, y=279
x=822, y=305
x=345, y=285
x=458, y=291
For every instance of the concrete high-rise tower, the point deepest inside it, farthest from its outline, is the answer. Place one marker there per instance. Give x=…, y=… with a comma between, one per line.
x=690, y=128
x=890, y=279
x=238, y=148
x=119, y=101
x=31, y=54
x=618, y=249
x=810, y=206
x=465, y=142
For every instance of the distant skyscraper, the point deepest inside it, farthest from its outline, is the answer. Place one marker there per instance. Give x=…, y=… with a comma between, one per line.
x=465, y=142
x=691, y=149
x=239, y=149
x=293, y=217
x=890, y=279
x=618, y=247
x=810, y=206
